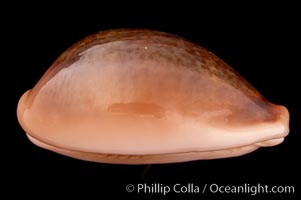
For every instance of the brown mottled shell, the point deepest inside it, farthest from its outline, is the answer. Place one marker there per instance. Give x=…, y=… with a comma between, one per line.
x=142, y=96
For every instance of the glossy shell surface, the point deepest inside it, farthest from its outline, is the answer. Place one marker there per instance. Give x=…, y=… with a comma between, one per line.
x=142, y=96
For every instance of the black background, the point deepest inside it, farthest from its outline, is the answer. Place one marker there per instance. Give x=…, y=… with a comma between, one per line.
x=260, y=42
